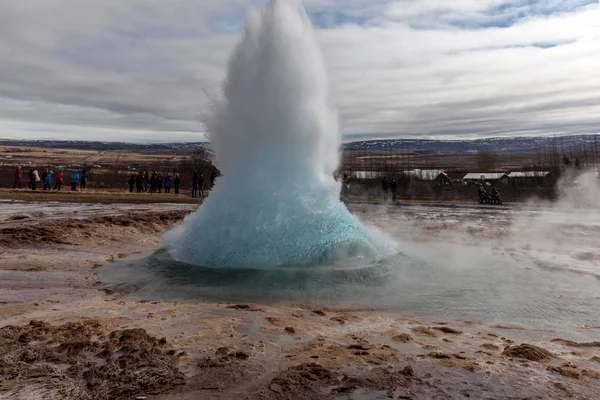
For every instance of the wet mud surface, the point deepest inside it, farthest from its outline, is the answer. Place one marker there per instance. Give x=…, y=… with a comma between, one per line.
x=66, y=333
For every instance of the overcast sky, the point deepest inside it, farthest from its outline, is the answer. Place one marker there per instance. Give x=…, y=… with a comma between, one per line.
x=136, y=70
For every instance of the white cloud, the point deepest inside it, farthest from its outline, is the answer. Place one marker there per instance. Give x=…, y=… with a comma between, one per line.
x=110, y=69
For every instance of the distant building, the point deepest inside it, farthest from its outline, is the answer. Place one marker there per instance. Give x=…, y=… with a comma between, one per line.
x=365, y=174
x=491, y=178
x=532, y=178
x=428, y=175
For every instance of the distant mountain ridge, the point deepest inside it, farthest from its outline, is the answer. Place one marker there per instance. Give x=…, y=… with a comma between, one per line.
x=104, y=146
x=522, y=145
x=514, y=145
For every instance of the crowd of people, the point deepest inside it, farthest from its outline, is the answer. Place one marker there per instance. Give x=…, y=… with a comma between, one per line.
x=156, y=182
x=142, y=182
x=49, y=180
x=486, y=197
x=389, y=188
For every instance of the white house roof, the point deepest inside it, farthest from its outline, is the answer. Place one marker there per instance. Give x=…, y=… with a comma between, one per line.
x=424, y=174
x=529, y=174
x=486, y=176
x=365, y=174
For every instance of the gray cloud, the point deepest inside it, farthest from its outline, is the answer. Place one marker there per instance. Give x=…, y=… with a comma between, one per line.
x=148, y=69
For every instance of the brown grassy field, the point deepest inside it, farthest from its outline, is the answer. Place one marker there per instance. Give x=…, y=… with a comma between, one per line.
x=111, y=159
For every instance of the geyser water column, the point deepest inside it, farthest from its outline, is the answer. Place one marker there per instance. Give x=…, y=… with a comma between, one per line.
x=276, y=141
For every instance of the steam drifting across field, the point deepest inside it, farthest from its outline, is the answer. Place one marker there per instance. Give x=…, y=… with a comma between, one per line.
x=276, y=141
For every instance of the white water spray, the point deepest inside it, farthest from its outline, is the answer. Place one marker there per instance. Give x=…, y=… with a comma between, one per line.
x=276, y=141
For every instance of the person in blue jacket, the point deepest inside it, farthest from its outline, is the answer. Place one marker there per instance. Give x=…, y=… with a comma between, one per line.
x=168, y=183
x=74, y=180
x=48, y=180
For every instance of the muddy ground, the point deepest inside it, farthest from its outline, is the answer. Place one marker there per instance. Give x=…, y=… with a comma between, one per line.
x=66, y=334
x=96, y=196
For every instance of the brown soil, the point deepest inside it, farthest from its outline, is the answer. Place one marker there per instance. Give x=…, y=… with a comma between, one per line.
x=314, y=381
x=454, y=360
x=568, y=370
x=79, y=360
x=402, y=338
x=490, y=346
x=228, y=350
x=424, y=331
x=94, y=196
x=72, y=231
x=576, y=344
x=528, y=352
x=245, y=307
x=446, y=329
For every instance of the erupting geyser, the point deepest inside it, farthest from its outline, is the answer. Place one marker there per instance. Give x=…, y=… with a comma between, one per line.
x=276, y=141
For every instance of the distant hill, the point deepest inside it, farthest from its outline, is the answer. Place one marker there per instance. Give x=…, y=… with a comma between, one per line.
x=514, y=145
x=103, y=146
x=520, y=145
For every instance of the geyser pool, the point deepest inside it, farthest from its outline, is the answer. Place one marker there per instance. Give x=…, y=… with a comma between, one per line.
x=276, y=142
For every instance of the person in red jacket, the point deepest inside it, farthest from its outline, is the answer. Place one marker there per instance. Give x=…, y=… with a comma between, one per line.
x=58, y=179
x=18, y=178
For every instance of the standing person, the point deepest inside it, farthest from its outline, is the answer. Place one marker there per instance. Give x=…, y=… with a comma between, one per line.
x=146, y=181
x=177, y=183
x=159, y=182
x=48, y=180
x=36, y=179
x=84, y=178
x=74, y=180
x=58, y=179
x=31, y=179
x=212, y=179
x=44, y=174
x=18, y=177
x=152, y=183
x=394, y=189
x=201, y=184
x=385, y=187
x=195, y=184
x=131, y=183
x=139, y=182
x=168, y=183
x=345, y=187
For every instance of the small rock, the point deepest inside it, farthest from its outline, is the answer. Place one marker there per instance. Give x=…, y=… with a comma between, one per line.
x=446, y=329
x=568, y=370
x=528, y=352
x=290, y=329
x=360, y=347
x=424, y=331
x=402, y=338
x=490, y=346
x=342, y=320
x=438, y=355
